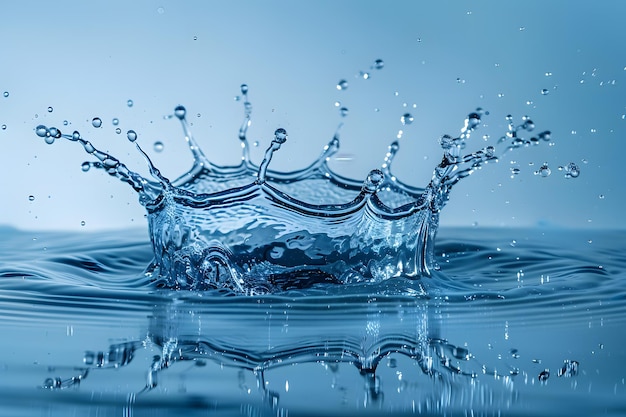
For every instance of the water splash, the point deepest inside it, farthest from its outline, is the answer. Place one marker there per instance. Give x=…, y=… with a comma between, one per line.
x=250, y=229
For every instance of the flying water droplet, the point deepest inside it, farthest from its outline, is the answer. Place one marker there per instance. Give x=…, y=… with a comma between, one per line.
x=545, y=92
x=379, y=64
x=5, y=94
x=342, y=85
x=543, y=375
x=158, y=146
x=406, y=119
x=4, y=127
x=50, y=109
x=96, y=122
x=343, y=111
x=118, y=130
x=42, y=131
x=31, y=198
x=76, y=135
x=373, y=181
x=82, y=223
x=244, y=89
x=544, y=171
x=129, y=103
x=115, y=121
x=132, y=135
x=280, y=135
x=180, y=112
x=572, y=170
x=85, y=166
x=364, y=75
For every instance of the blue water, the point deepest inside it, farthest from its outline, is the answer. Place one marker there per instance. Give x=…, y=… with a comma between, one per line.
x=515, y=322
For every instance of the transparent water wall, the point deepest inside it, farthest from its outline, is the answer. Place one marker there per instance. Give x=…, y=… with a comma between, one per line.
x=323, y=209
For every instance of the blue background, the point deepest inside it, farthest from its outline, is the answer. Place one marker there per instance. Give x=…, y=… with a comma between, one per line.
x=443, y=59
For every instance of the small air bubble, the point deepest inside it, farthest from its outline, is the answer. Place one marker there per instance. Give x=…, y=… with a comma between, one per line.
x=160, y=10
x=158, y=146
x=5, y=94
x=96, y=122
x=406, y=119
x=342, y=85
x=50, y=109
x=129, y=103
x=132, y=136
x=31, y=198
x=115, y=121
x=379, y=64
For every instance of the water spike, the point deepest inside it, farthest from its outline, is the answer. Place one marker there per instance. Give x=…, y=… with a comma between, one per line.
x=243, y=130
x=280, y=137
x=392, y=150
x=199, y=159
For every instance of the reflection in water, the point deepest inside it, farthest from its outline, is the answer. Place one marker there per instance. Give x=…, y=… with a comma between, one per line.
x=390, y=344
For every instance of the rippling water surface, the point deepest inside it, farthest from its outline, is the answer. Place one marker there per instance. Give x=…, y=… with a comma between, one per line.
x=516, y=322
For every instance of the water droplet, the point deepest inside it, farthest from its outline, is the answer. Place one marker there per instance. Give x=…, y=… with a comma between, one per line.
x=180, y=112
x=544, y=375
x=82, y=223
x=4, y=127
x=129, y=103
x=5, y=94
x=65, y=123
x=31, y=198
x=118, y=130
x=364, y=75
x=115, y=121
x=373, y=181
x=50, y=109
x=342, y=85
x=379, y=64
x=337, y=103
x=42, y=131
x=406, y=119
x=96, y=122
x=548, y=74
x=195, y=38
x=544, y=170
x=160, y=10
x=158, y=146
x=572, y=170
x=601, y=196
x=569, y=369
x=85, y=166
x=280, y=135
x=343, y=111
x=446, y=141
x=76, y=135
x=545, y=91
x=244, y=89
x=131, y=135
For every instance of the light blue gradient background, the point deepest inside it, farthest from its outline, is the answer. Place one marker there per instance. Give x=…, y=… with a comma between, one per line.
x=85, y=59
